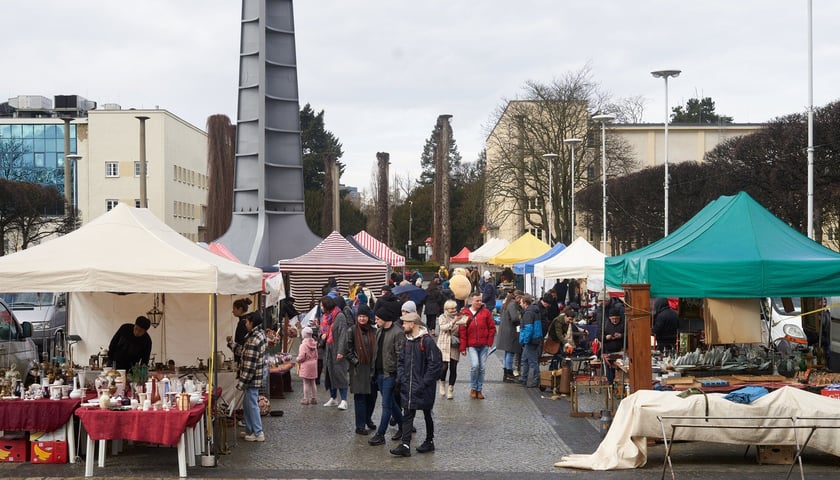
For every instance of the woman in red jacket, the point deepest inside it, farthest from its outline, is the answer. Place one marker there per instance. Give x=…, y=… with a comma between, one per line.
x=477, y=335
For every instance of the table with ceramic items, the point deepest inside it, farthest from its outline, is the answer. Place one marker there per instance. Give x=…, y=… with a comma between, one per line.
x=162, y=427
x=42, y=415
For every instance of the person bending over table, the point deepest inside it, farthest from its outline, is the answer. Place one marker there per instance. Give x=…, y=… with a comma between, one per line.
x=131, y=345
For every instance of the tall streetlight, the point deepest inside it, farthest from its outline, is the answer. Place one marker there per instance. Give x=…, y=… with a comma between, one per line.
x=75, y=159
x=410, y=204
x=810, y=121
x=573, y=142
x=665, y=74
x=549, y=157
x=603, y=119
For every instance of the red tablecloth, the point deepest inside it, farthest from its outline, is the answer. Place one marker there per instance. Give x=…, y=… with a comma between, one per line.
x=43, y=415
x=161, y=427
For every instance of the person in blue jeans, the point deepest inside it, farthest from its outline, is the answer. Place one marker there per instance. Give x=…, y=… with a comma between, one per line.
x=530, y=337
x=389, y=342
x=477, y=335
x=251, y=374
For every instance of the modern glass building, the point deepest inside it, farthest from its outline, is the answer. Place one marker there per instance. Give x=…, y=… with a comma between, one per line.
x=34, y=152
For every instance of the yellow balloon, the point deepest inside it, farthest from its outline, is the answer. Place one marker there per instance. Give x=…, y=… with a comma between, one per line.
x=460, y=286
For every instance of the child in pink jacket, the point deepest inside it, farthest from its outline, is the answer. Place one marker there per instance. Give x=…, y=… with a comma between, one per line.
x=308, y=366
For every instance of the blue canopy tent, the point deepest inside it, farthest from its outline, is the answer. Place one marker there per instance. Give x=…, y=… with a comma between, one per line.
x=526, y=268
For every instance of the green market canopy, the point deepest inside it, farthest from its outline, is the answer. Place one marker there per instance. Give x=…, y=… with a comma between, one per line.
x=732, y=248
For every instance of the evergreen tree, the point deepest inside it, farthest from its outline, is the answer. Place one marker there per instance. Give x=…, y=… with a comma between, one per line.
x=700, y=111
x=427, y=158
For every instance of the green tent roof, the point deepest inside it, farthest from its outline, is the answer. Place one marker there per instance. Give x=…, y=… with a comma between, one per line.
x=732, y=248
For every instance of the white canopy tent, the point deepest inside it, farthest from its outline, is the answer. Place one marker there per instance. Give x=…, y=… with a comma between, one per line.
x=487, y=251
x=111, y=269
x=578, y=260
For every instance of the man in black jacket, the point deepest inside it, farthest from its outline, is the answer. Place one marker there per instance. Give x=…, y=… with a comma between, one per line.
x=131, y=345
x=417, y=373
x=665, y=325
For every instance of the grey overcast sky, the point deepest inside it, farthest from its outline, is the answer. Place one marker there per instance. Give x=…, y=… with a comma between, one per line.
x=383, y=70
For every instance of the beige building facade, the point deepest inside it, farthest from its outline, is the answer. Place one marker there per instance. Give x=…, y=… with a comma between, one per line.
x=644, y=142
x=176, y=171
x=107, y=142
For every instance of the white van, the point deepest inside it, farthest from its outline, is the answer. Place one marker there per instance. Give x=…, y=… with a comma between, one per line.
x=46, y=311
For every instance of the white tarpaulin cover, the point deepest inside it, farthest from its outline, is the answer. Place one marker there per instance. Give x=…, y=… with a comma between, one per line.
x=125, y=250
x=490, y=248
x=625, y=445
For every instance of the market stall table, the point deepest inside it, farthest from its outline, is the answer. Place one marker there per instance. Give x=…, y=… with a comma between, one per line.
x=43, y=415
x=169, y=428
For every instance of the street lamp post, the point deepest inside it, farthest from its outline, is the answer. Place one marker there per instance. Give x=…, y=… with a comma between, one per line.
x=549, y=157
x=665, y=74
x=75, y=159
x=603, y=119
x=410, y=204
x=573, y=142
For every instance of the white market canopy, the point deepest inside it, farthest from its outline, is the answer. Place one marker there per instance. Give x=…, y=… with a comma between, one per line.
x=125, y=250
x=578, y=260
x=487, y=251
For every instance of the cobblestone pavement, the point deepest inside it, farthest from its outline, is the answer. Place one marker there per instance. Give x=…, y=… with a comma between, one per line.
x=514, y=433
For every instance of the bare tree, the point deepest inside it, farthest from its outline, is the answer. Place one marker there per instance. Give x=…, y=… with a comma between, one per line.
x=523, y=130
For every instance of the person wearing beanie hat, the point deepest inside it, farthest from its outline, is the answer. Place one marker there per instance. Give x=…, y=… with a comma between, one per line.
x=361, y=351
x=307, y=360
x=364, y=310
x=389, y=341
x=131, y=345
x=409, y=307
x=388, y=311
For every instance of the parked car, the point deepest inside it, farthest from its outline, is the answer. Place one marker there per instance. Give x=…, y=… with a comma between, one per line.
x=16, y=345
x=46, y=311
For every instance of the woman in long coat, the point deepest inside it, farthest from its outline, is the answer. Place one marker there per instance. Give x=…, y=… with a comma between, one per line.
x=508, y=338
x=361, y=355
x=334, y=331
x=448, y=326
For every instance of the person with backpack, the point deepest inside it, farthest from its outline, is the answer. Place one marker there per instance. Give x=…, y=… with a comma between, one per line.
x=530, y=337
x=418, y=369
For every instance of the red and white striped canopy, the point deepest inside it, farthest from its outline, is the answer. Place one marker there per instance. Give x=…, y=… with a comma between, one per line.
x=334, y=257
x=379, y=249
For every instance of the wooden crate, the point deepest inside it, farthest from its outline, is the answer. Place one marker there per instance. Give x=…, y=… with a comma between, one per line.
x=775, y=454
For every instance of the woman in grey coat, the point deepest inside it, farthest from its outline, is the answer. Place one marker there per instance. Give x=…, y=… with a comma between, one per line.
x=508, y=338
x=361, y=355
x=334, y=331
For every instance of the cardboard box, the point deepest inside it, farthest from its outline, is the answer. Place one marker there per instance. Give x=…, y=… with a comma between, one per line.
x=13, y=449
x=57, y=435
x=775, y=454
x=48, y=452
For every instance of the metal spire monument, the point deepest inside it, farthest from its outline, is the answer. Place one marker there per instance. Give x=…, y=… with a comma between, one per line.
x=268, y=201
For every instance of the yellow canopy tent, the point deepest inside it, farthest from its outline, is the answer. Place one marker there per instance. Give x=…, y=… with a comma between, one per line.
x=523, y=248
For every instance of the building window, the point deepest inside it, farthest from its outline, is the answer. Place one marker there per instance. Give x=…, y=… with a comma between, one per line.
x=109, y=204
x=137, y=169
x=112, y=169
x=534, y=203
x=537, y=232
